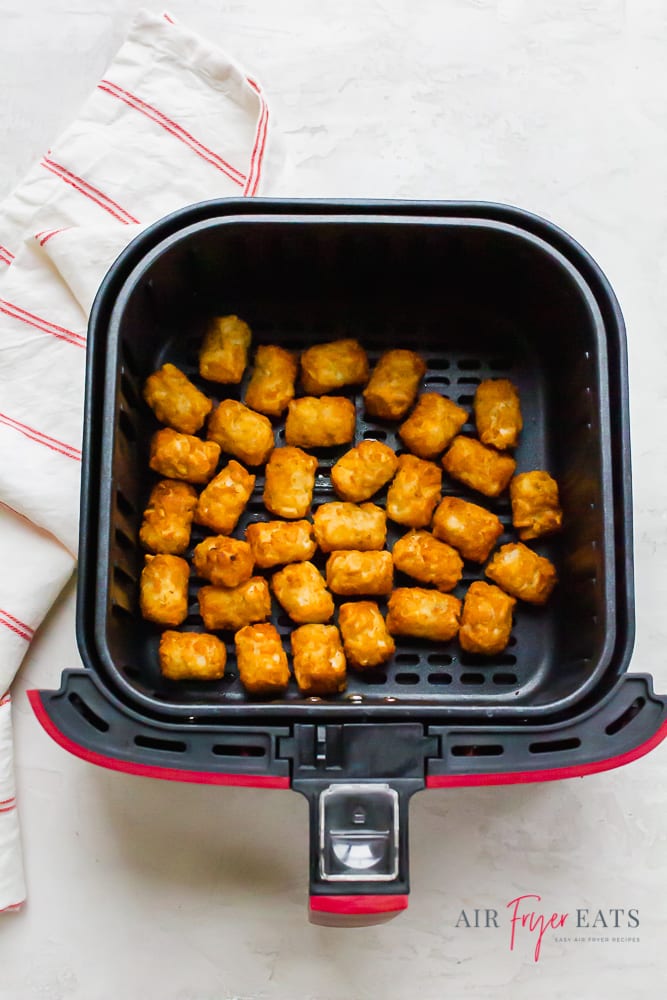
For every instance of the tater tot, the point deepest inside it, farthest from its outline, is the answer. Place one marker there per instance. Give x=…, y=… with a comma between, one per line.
x=277, y=542
x=175, y=401
x=322, y=422
x=163, y=590
x=471, y=529
x=341, y=525
x=366, y=641
x=319, y=660
x=522, y=573
x=289, y=482
x=224, y=352
x=423, y=614
x=226, y=562
x=191, y=656
x=426, y=559
x=271, y=385
x=393, y=384
x=486, y=622
x=481, y=468
x=432, y=425
x=221, y=504
x=302, y=593
x=414, y=492
x=498, y=413
x=241, y=432
x=168, y=517
x=367, y=573
x=182, y=456
x=363, y=470
x=535, y=505
x=261, y=660
x=230, y=608
x=331, y=366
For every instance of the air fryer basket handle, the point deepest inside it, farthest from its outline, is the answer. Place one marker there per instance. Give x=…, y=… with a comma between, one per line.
x=358, y=850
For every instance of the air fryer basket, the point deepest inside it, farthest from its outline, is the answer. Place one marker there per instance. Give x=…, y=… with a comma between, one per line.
x=481, y=291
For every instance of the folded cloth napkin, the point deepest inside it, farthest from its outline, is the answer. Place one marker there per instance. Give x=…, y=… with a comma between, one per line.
x=173, y=121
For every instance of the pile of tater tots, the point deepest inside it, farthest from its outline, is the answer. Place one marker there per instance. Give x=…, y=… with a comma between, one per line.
x=275, y=555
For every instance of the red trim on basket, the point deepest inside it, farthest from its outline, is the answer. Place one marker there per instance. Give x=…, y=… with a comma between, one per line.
x=93, y=193
x=359, y=904
x=46, y=234
x=15, y=629
x=31, y=432
x=6, y=256
x=549, y=773
x=61, y=332
x=148, y=770
x=13, y=620
x=257, y=154
x=173, y=128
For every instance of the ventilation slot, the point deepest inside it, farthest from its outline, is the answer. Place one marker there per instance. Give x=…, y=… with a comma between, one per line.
x=86, y=712
x=626, y=717
x=468, y=381
x=504, y=678
x=472, y=678
x=469, y=364
x=375, y=434
x=124, y=505
x=156, y=743
x=372, y=677
x=124, y=541
x=407, y=659
x=440, y=678
x=440, y=659
x=237, y=750
x=501, y=364
x=465, y=400
x=407, y=678
x=555, y=746
x=477, y=750
x=438, y=364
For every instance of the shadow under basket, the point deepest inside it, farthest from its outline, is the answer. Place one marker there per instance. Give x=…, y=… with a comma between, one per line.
x=481, y=291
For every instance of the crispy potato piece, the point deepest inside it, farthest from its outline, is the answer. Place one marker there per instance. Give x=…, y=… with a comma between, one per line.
x=331, y=366
x=175, y=401
x=424, y=614
x=319, y=660
x=226, y=562
x=261, y=660
x=182, y=456
x=277, y=542
x=363, y=470
x=301, y=591
x=320, y=422
x=367, y=573
x=221, y=504
x=168, y=517
x=421, y=556
x=432, y=425
x=535, y=505
x=393, y=384
x=522, y=573
x=366, y=641
x=498, y=413
x=348, y=526
x=241, y=432
x=230, y=608
x=271, y=385
x=163, y=590
x=414, y=492
x=191, y=656
x=224, y=352
x=486, y=622
x=471, y=529
x=289, y=481
x=483, y=469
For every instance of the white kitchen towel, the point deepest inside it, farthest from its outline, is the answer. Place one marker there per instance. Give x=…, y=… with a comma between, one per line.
x=173, y=121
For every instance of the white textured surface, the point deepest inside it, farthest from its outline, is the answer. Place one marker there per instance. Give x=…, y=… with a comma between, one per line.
x=141, y=888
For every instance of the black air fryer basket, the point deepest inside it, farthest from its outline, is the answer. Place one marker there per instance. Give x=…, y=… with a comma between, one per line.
x=481, y=291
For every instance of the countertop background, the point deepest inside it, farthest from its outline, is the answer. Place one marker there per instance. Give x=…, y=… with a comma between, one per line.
x=139, y=888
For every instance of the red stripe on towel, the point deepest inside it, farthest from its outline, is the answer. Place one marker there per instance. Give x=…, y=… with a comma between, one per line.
x=93, y=193
x=40, y=438
x=173, y=128
x=61, y=332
